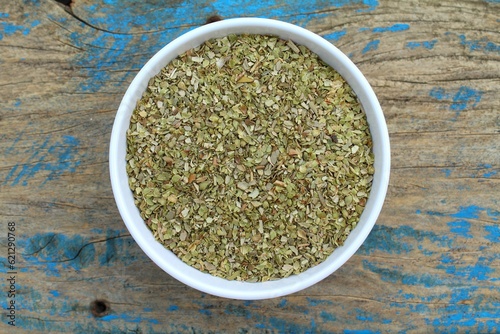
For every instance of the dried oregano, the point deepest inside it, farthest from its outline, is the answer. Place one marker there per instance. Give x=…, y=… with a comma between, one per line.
x=249, y=158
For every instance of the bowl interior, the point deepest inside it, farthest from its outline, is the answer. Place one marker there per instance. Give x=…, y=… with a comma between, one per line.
x=166, y=259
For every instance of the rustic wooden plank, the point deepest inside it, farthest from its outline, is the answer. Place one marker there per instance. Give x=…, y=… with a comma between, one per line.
x=431, y=264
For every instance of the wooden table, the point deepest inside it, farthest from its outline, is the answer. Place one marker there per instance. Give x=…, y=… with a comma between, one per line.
x=432, y=262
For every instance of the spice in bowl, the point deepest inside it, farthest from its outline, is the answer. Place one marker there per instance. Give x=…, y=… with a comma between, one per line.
x=249, y=158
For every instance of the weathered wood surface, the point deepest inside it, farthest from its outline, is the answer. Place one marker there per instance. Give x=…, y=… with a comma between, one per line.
x=431, y=264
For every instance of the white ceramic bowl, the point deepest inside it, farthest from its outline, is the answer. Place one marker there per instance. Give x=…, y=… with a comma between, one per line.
x=166, y=259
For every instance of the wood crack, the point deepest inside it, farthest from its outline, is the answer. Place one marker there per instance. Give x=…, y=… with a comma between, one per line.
x=43, y=247
x=69, y=10
x=79, y=251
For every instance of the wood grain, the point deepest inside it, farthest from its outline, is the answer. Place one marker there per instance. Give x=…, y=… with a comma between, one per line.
x=431, y=264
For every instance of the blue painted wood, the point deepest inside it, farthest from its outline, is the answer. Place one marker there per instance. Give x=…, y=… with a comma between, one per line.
x=429, y=265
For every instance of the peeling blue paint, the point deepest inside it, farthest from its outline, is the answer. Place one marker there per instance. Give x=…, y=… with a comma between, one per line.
x=238, y=310
x=8, y=29
x=461, y=225
x=456, y=311
x=371, y=46
x=462, y=315
x=34, y=23
x=490, y=171
x=397, y=275
x=205, y=308
x=122, y=15
x=424, y=251
x=419, y=308
x=398, y=27
x=9, y=150
x=54, y=293
x=392, y=240
x=117, y=249
x=360, y=331
x=49, y=157
x=363, y=317
x=480, y=45
x=445, y=258
x=480, y=271
x=429, y=45
x=489, y=326
x=461, y=228
x=40, y=325
x=127, y=318
x=335, y=36
x=173, y=308
x=205, y=312
x=282, y=303
x=327, y=317
x=56, y=252
x=371, y=4
x=366, y=316
x=317, y=302
x=494, y=214
x=285, y=326
x=489, y=174
x=467, y=212
x=99, y=65
x=459, y=100
x=27, y=296
x=447, y=172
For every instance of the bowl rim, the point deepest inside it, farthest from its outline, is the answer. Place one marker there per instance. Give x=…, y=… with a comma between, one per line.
x=164, y=258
